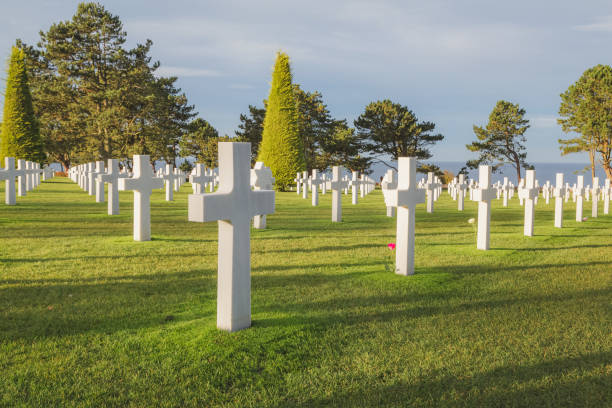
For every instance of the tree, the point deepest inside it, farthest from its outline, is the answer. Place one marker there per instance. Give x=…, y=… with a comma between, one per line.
x=586, y=109
x=503, y=139
x=281, y=146
x=200, y=142
x=388, y=129
x=98, y=100
x=251, y=129
x=20, y=135
x=343, y=149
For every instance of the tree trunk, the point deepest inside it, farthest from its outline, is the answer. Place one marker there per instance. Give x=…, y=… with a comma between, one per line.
x=592, y=158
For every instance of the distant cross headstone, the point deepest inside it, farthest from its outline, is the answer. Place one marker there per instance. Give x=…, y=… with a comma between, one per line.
x=99, y=185
x=142, y=184
x=261, y=179
x=111, y=177
x=315, y=181
x=607, y=192
x=305, y=184
x=530, y=192
x=233, y=205
x=8, y=174
x=355, y=183
x=22, y=175
x=461, y=187
x=579, y=197
x=389, y=184
x=169, y=178
x=91, y=185
x=595, y=190
x=323, y=183
x=199, y=179
x=484, y=194
x=506, y=187
x=405, y=198
x=430, y=185
x=298, y=182
x=336, y=185
x=559, y=193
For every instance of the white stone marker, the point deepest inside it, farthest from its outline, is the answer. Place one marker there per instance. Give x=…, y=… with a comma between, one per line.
x=199, y=179
x=91, y=177
x=461, y=187
x=595, y=197
x=530, y=192
x=579, y=197
x=8, y=174
x=99, y=184
x=112, y=178
x=298, y=181
x=405, y=198
x=305, y=184
x=336, y=185
x=355, y=183
x=22, y=175
x=484, y=194
x=430, y=185
x=169, y=178
x=606, y=196
x=261, y=179
x=389, y=184
x=233, y=205
x=324, y=183
x=506, y=187
x=142, y=184
x=559, y=194
x=315, y=181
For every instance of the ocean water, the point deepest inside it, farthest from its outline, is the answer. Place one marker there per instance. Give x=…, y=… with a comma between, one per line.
x=544, y=172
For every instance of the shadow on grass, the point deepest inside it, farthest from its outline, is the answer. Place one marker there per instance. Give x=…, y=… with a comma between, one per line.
x=546, y=384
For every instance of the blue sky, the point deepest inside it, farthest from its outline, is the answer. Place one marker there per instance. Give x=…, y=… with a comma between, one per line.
x=448, y=61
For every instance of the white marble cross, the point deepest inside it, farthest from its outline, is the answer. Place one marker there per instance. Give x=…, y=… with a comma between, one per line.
x=595, y=190
x=8, y=174
x=99, y=184
x=529, y=193
x=233, y=205
x=298, y=181
x=315, y=181
x=324, y=183
x=607, y=192
x=22, y=176
x=111, y=177
x=355, y=183
x=169, y=178
x=389, y=184
x=484, y=194
x=261, y=179
x=579, y=197
x=142, y=183
x=336, y=184
x=91, y=185
x=430, y=185
x=199, y=179
x=559, y=193
x=461, y=187
x=305, y=184
x=405, y=198
x=506, y=187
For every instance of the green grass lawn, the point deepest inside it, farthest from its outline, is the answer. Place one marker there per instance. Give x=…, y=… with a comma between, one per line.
x=89, y=317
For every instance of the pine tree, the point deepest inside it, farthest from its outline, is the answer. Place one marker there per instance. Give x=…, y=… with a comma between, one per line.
x=281, y=145
x=20, y=136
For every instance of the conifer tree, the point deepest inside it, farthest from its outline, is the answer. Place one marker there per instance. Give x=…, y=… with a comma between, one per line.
x=20, y=136
x=281, y=145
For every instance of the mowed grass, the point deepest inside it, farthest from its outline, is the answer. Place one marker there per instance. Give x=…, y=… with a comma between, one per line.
x=88, y=317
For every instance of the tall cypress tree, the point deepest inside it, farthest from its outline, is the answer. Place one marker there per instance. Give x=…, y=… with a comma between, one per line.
x=281, y=145
x=20, y=136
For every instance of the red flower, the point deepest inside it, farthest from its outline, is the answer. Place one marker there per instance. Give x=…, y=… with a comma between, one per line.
x=391, y=246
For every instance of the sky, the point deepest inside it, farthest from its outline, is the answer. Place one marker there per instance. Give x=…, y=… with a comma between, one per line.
x=448, y=61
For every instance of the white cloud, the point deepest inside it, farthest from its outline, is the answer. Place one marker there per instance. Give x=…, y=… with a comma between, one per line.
x=602, y=24
x=186, y=72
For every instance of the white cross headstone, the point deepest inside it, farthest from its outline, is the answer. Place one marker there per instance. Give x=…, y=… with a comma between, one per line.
x=405, y=198
x=530, y=192
x=430, y=185
x=315, y=181
x=595, y=197
x=111, y=177
x=579, y=197
x=389, y=184
x=559, y=193
x=8, y=174
x=336, y=185
x=99, y=185
x=142, y=184
x=484, y=194
x=461, y=187
x=233, y=205
x=324, y=183
x=607, y=192
x=506, y=187
x=169, y=178
x=261, y=179
x=199, y=179
x=22, y=175
x=305, y=184
x=355, y=183
x=298, y=181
